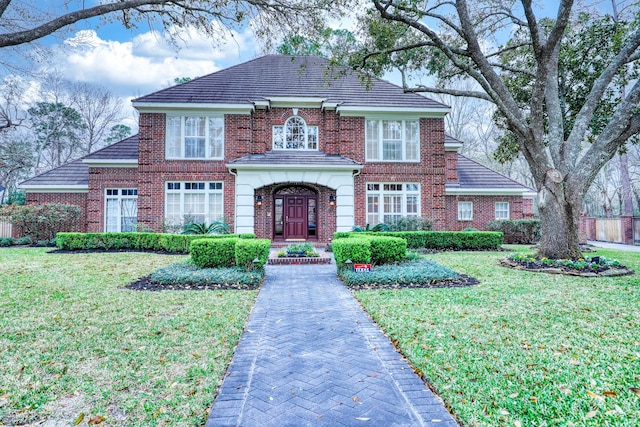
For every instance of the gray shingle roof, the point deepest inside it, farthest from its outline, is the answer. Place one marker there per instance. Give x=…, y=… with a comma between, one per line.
x=472, y=174
x=289, y=76
x=301, y=158
x=74, y=173
x=77, y=172
x=125, y=149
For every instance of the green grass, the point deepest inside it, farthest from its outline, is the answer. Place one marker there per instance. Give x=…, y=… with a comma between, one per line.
x=523, y=347
x=73, y=342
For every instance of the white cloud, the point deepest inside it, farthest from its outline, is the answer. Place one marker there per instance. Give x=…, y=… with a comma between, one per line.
x=148, y=62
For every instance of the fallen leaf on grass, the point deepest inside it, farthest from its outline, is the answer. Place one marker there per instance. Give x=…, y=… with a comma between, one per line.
x=593, y=395
x=592, y=414
x=96, y=420
x=573, y=362
x=517, y=424
x=565, y=390
x=533, y=399
x=635, y=390
x=79, y=419
x=609, y=393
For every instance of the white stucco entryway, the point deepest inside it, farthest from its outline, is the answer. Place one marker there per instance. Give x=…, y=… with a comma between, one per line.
x=250, y=178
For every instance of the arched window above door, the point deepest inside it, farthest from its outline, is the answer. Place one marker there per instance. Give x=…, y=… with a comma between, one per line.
x=295, y=135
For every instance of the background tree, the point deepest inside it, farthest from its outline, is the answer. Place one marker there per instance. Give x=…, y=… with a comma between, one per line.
x=564, y=153
x=100, y=111
x=58, y=130
x=117, y=133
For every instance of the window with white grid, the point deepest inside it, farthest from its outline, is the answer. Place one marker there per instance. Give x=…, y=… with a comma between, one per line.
x=195, y=137
x=198, y=202
x=392, y=140
x=387, y=202
x=465, y=211
x=502, y=210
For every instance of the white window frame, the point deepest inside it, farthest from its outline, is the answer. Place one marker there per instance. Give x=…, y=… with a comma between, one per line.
x=283, y=130
x=377, y=191
x=209, y=140
x=120, y=195
x=502, y=210
x=209, y=217
x=462, y=211
x=376, y=154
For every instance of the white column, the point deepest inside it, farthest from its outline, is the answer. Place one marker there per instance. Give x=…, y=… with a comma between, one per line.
x=244, y=220
x=345, y=206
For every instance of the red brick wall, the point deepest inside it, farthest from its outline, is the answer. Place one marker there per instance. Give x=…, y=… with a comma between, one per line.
x=451, y=158
x=99, y=180
x=483, y=210
x=78, y=199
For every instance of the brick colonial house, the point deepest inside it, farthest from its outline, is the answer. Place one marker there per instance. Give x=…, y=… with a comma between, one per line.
x=287, y=148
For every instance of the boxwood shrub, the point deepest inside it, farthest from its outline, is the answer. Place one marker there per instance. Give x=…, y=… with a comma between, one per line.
x=354, y=249
x=386, y=249
x=463, y=240
x=246, y=250
x=176, y=243
x=210, y=253
x=519, y=231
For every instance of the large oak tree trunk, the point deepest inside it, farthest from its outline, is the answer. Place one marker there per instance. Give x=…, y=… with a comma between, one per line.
x=559, y=222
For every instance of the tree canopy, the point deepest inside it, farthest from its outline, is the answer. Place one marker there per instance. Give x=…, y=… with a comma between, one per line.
x=553, y=84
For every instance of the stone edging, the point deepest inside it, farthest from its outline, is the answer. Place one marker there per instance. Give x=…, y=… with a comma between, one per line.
x=299, y=260
x=612, y=272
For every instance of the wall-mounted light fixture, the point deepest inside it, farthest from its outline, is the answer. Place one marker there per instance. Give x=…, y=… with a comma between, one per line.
x=332, y=201
x=259, y=201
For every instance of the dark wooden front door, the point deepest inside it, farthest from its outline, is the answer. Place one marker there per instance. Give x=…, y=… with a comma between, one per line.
x=295, y=210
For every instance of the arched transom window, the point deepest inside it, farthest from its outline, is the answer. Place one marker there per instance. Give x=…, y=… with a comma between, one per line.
x=295, y=135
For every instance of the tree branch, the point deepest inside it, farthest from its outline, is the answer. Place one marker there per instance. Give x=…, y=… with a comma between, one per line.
x=4, y=4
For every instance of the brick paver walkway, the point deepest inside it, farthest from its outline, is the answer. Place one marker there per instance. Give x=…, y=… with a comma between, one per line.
x=310, y=356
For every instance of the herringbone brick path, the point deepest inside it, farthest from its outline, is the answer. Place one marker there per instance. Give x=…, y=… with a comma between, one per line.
x=310, y=356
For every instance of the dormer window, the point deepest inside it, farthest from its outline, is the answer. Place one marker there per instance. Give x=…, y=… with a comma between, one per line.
x=295, y=135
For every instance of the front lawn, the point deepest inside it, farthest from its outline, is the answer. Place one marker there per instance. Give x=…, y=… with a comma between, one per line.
x=523, y=348
x=75, y=345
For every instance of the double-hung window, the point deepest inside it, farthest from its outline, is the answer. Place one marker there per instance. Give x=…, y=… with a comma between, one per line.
x=295, y=134
x=195, y=137
x=389, y=202
x=392, y=140
x=121, y=209
x=465, y=211
x=502, y=210
x=196, y=202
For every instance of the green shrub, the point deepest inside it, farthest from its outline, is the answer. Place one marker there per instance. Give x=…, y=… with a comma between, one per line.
x=355, y=249
x=42, y=222
x=520, y=231
x=209, y=253
x=386, y=249
x=247, y=236
x=26, y=240
x=410, y=223
x=414, y=239
x=415, y=272
x=247, y=250
x=189, y=274
x=42, y=243
x=7, y=241
x=460, y=240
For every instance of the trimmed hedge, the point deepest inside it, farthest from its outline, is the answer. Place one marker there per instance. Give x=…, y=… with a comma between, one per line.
x=356, y=250
x=246, y=250
x=464, y=240
x=211, y=253
x=365, y=248
x=519, y=231
x=176, y=243
x=455, y=240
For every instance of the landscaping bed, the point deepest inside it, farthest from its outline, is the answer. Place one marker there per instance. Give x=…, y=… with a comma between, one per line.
x=596, y=266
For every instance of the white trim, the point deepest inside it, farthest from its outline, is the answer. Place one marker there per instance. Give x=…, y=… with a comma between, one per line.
x=452, y=146
x=276, y=166
x=380, y=140
x=296, y=101
x=380, y=193
x=354, y=110
x=330, y=105
x=163, y=107
x=112, y=163
x=458, y=206
x=495, y=210
x=43, y=188
x=119, y=197
x=207, y=192
x=207, y=136
x=486, y=191
x=262, y=104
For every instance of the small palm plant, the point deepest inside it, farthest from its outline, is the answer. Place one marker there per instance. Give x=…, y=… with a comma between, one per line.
x=219, y=226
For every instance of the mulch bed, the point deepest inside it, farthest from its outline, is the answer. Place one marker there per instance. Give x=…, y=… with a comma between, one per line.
x=462, y=281
x=567, y=271
x=145, y=284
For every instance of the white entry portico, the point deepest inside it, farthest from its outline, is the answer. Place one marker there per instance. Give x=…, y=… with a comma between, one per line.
x=249, y=177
